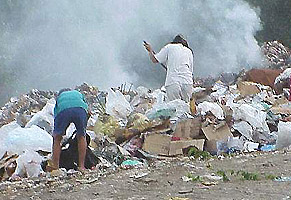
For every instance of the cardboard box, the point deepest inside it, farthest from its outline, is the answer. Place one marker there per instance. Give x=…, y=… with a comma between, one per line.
x=215, y=134
x=176, y=147
x=157, y=144
x=161, y=144
x=188, y=129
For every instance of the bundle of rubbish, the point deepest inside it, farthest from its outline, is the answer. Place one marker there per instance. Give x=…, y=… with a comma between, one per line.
x=278, y=56
x=129, y=126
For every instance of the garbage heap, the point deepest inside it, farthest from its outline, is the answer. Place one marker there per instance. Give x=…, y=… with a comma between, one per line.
x=128, y=126
x=278, y=56
x=24, y=107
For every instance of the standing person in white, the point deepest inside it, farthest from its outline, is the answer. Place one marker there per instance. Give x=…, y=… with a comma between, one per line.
x=178, y=59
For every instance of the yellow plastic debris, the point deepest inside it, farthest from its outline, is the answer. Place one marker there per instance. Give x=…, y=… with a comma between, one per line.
x=107, y=126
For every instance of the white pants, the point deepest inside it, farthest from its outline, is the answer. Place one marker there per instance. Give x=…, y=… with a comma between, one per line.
x=179, y=91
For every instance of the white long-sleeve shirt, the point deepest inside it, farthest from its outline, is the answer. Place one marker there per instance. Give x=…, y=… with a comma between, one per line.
x=179, y=62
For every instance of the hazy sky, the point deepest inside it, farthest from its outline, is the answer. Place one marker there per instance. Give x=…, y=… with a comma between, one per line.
x=64, y=43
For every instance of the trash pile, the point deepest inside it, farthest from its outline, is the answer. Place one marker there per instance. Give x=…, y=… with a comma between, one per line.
x=277, y=54
x=24, y=107
x=129, y=126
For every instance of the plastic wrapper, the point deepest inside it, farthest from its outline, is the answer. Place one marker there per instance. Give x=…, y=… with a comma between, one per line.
x=128, y=164
x=173, y=109
x=138, y=121
x=268, y=147
x=107, y=126
x=198, y=89
x=214, y=108
x=220, y=90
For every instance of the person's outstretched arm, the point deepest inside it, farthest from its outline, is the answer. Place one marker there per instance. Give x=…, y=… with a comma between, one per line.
x=151, y=52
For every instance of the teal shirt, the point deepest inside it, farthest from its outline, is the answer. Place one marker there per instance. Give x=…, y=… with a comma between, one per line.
x=70, y=99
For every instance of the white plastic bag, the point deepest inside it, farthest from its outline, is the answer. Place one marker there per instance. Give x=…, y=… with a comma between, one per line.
x=220, y=90
x=22, y=139
x=7, y=128
x=159, y=95
x=117, y=106
x=142, y=93
x=244, y=128
x=284, y=135
x=251, y=146
x=235, y=143
x=214, y=108
x=28, y=164
x=4, y=130
x=255, y=117
x=45, y=117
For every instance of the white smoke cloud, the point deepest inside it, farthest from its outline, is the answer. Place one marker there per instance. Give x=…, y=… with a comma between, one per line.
x=64, y=43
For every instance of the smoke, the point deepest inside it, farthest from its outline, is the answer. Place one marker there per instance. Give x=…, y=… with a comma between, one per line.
x=55, y=44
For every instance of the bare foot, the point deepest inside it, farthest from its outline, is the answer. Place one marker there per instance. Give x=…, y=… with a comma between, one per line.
x=82, y=169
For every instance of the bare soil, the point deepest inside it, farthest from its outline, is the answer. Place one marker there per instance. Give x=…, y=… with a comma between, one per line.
x=162, y=179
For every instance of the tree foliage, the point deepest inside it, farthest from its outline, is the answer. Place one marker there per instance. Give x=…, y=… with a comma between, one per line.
x=276, y=20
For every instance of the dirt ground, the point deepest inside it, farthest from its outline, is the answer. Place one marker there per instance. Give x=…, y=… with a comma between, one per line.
x=162, y=179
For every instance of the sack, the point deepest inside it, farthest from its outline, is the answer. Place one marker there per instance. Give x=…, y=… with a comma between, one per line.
x=70, y=155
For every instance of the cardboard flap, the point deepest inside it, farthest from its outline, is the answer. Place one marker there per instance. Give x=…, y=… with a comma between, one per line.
x=211, y=133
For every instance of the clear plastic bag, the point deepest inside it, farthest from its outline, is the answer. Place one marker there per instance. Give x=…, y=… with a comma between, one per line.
x=117, y=105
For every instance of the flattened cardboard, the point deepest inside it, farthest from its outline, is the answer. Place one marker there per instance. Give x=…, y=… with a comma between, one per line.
x=247, y=88
x=211, y=133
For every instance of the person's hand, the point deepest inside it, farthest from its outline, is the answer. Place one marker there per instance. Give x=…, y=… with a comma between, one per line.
x=148, y=47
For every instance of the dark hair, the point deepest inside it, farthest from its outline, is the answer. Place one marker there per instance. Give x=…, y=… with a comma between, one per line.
x=179, y=39
x=63, y=90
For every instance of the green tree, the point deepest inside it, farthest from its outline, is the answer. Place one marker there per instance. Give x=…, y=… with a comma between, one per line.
x=276, y=20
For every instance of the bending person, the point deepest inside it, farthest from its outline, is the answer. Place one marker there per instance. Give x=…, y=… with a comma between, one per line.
x=70, y=107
